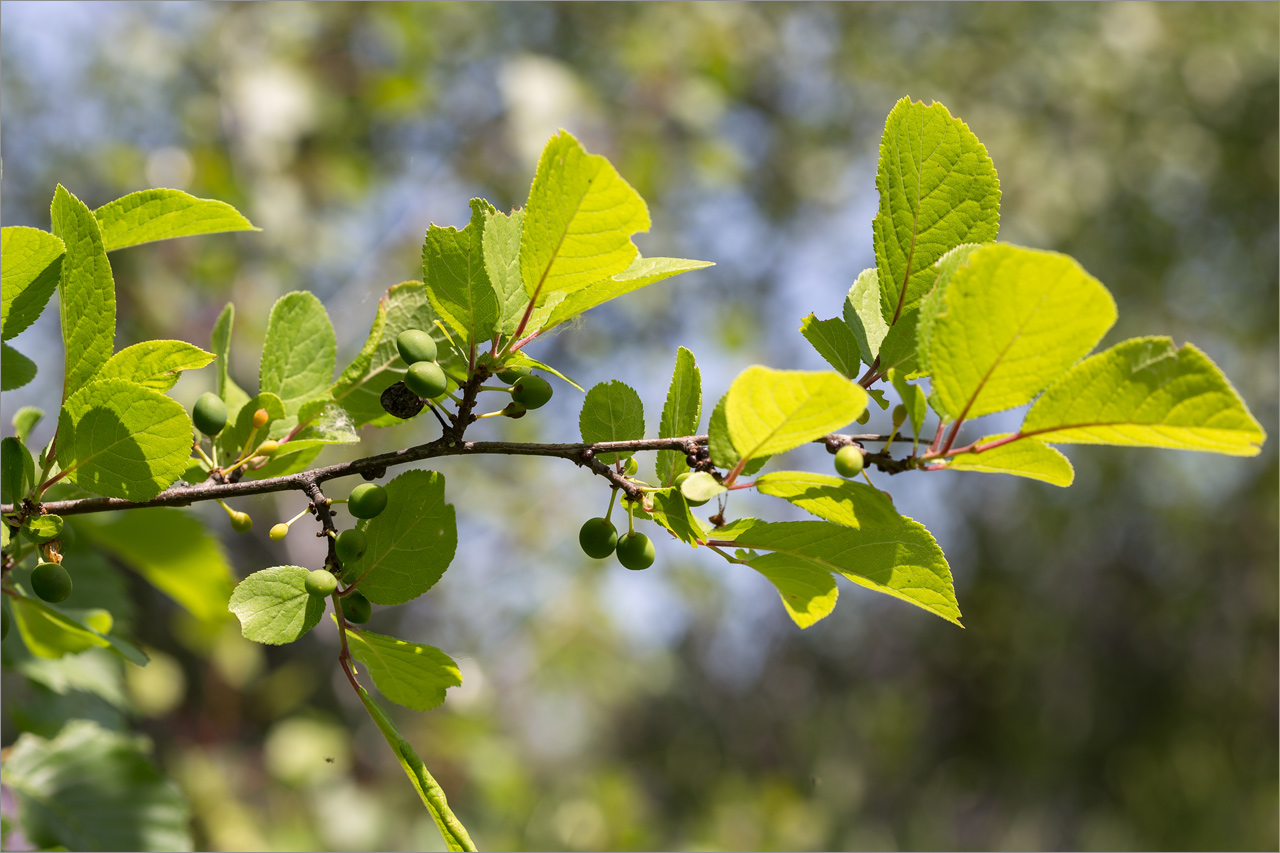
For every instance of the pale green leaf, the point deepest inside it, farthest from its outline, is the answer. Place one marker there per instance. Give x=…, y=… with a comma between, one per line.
x=836, y=499
x=1026, y=457
x=90, y=788
x=933, y=305
x=938, y=189
x=723, y=453
x=807, y=590
x=913, y=398
x=641, y=273
x=501, y=246
x=161, y=214
x=238, y=434
x=16, y=369
x=154, y=364
x=680, y=414
x=299, y=352
x=768, y=411
x=1013, y=321
x=898, y=349
x=173, y=551
x=25, y=420
x=904, y=561
x=410, y=674
x=410, y=544
x=274, y=607
x=121, y=440
x=701, y=486
x=1143, y=392
x=671, y=511
x=863, y=316
x=86, y=292
x=30, y=265
x=612, y=411
x=521, y=359
x=17, y=470
x=93, y=671
x=51, y=632
x=578, y=221
x=454, y=833
x=835, y=342
x=42, y=528
x=458, y=286
x=220, y=342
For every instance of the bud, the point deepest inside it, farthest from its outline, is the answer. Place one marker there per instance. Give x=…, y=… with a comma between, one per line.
x=279, y=531
x=260, y=418
x=899, y=415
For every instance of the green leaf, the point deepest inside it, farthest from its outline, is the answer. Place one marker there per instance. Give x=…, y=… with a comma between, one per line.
x=671, y=511
x=578, y=221
x=913, y=398
x=1026, y=457
x=25, y=420
x=410, y=544
x=701, y=486
x=807, y=590
x=723, y=453
x=458, y=285
x=235, y=434
x=903, y=561
x=835, y=499
x=274, y=607
x=1143, y=392
x=938, y=189
x=454, y=833
x=30, y=266
x=1013, y=320
x=122, y=440
x=92, y=671
x=17, y=470
x=16, y=369
x=520, y=358
x=641, y=273
x=94, y=789
x=612, y=411
x=680, y=414
x=154, y=364
x=933, y=305
x=769, y=411
x=501, y=245
x=898, y=351
x=834, y=341
x=161, y=214
x=379, y=366
x=299, y=352
x=173, y=551
x=863, y=316
x=50, y=632
x=220, y=341
x=410, y=674
x=42, y=528
x=86, y=292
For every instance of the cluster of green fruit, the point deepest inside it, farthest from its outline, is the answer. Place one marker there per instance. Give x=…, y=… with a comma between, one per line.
x=367, y=500
x=527, y=391
x=425, y=376
x=599, y=539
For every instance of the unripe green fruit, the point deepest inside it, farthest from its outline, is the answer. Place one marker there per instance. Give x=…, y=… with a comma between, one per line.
x=416, y=345
x=532, y=392
x=864, y=417
x=321, y=583
x=849, y=461
x=209, y=414
x=680, y=481
x=598, y=538
x=635, y=551
x=631, y=467
x=514, y=410
x=241, y=522
x=513, y=374
x=899, y=415
x=367, y=500
x=267, y=448
x=356, y=608
x=349, y=545
x=426, y=379
x=51, y=582
x=279, y=531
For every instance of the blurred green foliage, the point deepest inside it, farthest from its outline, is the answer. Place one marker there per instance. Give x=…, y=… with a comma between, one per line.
x=1116, y=686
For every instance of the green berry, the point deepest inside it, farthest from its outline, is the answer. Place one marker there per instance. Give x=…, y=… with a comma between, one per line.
x=279, y=531
x=321, y=583
x=356, y=608
x=635, y=551
x=514, y=410
x=367, y=500
x=51, y=582
x=631, y=467
x=416, y=345
x=680, y=481
x=864, y=417
x=532, y=392
x=209, y=414
x=849, y=461
x=598, y=538
x=241, y=522
x=349, y=545
x=899, y=415
x=426, y=379
x=513, y=374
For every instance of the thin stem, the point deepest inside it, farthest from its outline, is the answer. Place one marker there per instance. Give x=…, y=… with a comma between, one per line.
x=613, y=496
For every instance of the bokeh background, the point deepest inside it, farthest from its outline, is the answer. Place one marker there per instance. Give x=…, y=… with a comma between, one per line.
x=1116, y=685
